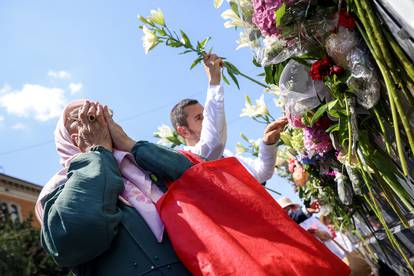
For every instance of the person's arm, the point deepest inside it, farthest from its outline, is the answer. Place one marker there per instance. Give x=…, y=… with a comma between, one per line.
x=80, y=218
x=262, y=167
x=214, y=130
x=162, y=161
x=299, y=215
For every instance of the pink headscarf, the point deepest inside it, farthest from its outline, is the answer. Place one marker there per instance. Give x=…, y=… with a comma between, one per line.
x=139, y=192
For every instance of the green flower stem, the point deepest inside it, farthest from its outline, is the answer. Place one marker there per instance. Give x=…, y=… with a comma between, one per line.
x=372, y=202
x=349, y=130
x=253, y=80
x=384, y=133
x=405, y=62
x=388, y=59
x=393, y=98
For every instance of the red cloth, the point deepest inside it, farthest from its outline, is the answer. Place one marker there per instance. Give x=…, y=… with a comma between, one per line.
x=221, y=221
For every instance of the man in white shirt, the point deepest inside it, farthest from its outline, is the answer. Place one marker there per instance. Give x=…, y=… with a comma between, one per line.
x=204, y=130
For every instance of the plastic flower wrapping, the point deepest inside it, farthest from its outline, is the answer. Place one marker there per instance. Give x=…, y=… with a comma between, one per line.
x=346, y=88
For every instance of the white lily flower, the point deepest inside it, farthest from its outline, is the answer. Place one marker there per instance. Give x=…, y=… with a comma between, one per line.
x=254, y=110
x=164, y=131
x=157, y=17
x=149, y=40
x=233, y=19
x=217, y=3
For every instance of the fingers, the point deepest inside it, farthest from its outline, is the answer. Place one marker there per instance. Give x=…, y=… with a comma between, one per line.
x=100, y=115
x=107, y=115
x=212, y=60
x=83, y=112
x=92, y=112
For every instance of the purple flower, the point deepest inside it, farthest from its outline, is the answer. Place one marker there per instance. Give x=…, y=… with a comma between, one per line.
x=264, y=15
x=317, y=140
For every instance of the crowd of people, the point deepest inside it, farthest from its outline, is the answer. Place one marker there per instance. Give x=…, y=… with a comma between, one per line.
x=124, y=207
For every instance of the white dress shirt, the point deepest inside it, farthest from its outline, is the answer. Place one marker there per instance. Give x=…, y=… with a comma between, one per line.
x=214, y=135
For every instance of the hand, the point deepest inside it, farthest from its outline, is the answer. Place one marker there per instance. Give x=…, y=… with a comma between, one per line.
x=314, y=207
x=321, y=235
x=212, y=65
x=120, y=139
x=93, y=129
x=273, y=130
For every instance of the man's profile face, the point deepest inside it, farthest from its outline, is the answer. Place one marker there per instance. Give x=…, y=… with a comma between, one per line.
x=194, y=119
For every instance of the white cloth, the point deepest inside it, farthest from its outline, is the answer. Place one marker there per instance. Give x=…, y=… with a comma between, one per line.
x=214, y=135
x=262, y=167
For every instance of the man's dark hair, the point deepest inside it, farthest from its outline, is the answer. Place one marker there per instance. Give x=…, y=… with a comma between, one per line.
x=178, y=116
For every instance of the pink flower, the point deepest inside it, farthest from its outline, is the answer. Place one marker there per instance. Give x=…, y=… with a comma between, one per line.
x=316, y=139
x=295, y=121
x=264, y=15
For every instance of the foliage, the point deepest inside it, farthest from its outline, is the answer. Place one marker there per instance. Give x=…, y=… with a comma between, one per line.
x=21, y=253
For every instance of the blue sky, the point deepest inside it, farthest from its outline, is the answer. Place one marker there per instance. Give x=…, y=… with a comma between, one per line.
x=56, y=51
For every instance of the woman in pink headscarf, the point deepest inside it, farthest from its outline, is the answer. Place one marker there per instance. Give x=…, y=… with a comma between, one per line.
x=98, y=213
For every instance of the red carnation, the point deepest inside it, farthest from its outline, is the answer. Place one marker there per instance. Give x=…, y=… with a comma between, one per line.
x=320, y=69
x=336, y=70
x=346, y=20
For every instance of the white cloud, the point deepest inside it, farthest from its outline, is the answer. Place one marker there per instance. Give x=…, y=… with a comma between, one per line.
x=42, y=103
x=59, y=74
x=75, y=87
x=18, y=126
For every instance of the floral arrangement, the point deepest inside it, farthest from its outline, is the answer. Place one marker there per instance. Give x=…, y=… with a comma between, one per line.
x=347, y=89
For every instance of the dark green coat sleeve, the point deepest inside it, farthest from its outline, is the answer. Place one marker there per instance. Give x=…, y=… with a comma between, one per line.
x=162, y=161
x=81, y=218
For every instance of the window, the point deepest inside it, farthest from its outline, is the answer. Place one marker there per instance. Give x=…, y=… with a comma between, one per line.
x=9, y=210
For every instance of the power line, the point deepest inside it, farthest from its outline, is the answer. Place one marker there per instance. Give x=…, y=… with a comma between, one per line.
x=121, y=120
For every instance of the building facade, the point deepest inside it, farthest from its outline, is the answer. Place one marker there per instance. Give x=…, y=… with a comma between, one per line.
x=17, y=198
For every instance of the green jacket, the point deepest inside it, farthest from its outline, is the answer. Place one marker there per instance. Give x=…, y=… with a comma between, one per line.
x=86, y=227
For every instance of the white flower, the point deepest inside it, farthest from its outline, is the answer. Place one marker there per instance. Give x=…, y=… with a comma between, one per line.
x=217, y=3
x=278, y=102
x=149, y=40
x=274, y=90
x=240, y=148
x=165, y=133
x=251, y=110
x=243, y=41
x=256, y=143
x=157, y=17
x=233, y=19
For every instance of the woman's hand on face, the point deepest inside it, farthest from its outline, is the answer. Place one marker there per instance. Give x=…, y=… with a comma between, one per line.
x=93, y=129
x=120, y=139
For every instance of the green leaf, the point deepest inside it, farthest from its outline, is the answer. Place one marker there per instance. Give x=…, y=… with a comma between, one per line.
x=244, y=137
x=203, y=43
x=332, y=104
x=173, y=43
x=269, y=74
x=333, y=128
x=233, y=77
x=321, y=110
x=230, y=66
x=195, y=62
x=225, y=79
x=255, y=62
x=186, y=39
x=279, y=13
x=278, y=72
x=185, y=52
